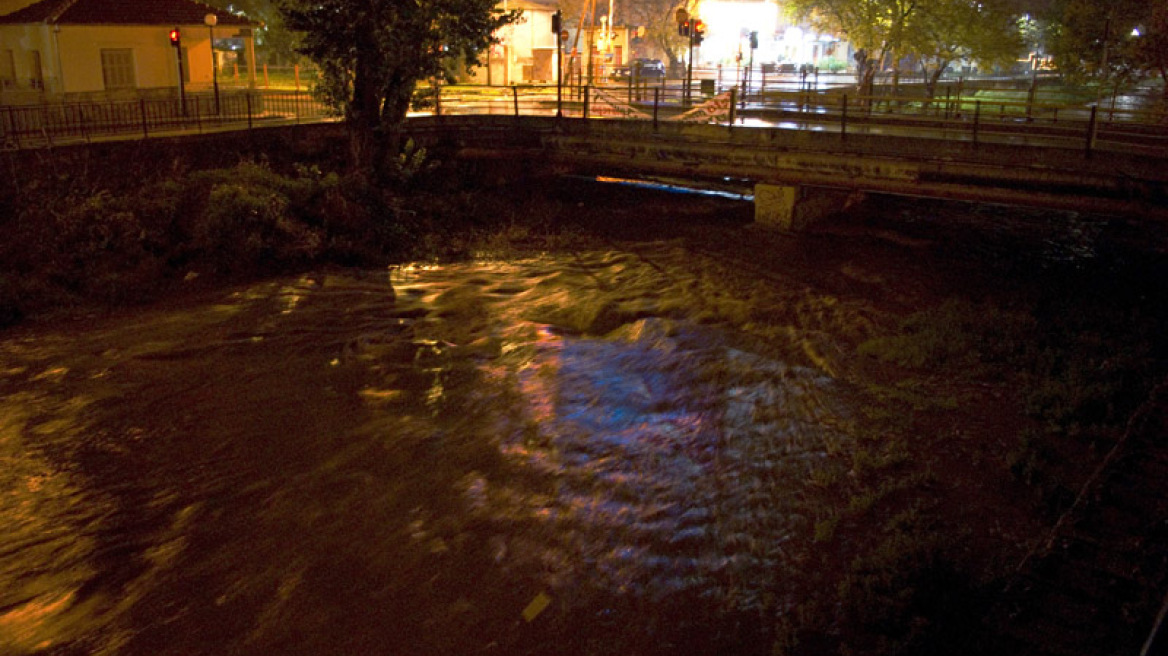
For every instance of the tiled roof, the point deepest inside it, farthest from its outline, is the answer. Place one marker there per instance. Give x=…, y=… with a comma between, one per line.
x=120, y=12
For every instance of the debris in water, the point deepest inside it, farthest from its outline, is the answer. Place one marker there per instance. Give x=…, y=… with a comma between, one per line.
x=537, y=606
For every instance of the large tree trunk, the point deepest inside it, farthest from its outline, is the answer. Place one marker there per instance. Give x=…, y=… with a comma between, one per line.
x=364, y=114
x=868, y=84
x=930, y=86
x=895, y=75
x=393, y=117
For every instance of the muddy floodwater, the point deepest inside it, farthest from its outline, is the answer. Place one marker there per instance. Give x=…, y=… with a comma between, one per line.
x=680, y=437
x=552, y=454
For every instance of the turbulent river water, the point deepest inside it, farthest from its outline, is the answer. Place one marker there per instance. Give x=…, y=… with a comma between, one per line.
x=559, y=454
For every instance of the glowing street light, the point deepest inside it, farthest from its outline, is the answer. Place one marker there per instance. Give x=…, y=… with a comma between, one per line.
x=211, y=20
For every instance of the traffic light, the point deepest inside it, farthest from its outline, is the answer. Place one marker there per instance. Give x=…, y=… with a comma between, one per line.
x=683, y=28
x=754, y=40
x=556, y=21
x=175, y=37
x=699, y=29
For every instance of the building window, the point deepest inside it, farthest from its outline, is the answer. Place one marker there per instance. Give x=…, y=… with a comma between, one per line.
x=7, y=69
x=36, y=75
x=117, y=69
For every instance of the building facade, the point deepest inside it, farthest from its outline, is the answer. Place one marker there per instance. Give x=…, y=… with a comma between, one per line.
x=526, y=52
x=71, y=50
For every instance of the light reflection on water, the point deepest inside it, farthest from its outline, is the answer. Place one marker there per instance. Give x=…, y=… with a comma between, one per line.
x=373, y=463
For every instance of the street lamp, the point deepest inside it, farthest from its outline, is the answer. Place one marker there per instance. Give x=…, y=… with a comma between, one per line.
x=211, y=20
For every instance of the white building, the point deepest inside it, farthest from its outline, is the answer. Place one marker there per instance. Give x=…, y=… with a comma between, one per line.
x=527, y=52
x=779, y=40
x=90, y=49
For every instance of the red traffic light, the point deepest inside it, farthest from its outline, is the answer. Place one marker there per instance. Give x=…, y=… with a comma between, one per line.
x=175, y=36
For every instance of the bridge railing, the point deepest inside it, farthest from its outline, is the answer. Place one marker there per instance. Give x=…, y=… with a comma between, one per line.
x=963, y=118
x=706, y=99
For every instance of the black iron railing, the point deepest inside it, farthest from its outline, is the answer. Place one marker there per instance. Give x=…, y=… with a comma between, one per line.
x=755, y=100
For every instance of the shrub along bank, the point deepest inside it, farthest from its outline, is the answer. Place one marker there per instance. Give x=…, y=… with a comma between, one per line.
x=123, y=223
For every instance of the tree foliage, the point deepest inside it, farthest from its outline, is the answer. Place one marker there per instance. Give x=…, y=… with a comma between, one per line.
x=656, y=16
x=1110, y=42
x=935, y=32
x=372, y=54
x=275, y=43
x=658, y=19
x=944, y=31
x=878, y=29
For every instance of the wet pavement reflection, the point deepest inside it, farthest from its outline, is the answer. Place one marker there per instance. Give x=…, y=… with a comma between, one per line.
x=552, y=455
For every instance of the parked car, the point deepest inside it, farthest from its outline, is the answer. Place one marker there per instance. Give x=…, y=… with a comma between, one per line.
x=642, y=68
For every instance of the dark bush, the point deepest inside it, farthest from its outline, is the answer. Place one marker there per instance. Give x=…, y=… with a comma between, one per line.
x=68, y=242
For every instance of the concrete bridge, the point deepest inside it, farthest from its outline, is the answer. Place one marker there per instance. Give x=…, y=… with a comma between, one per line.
x=799, y=175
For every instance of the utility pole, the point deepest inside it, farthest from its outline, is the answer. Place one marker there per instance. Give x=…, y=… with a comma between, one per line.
x=749, y=68
x=591, y=8
x=176, y=41
x=687, y=27
x=557, y=27
x=211, y=20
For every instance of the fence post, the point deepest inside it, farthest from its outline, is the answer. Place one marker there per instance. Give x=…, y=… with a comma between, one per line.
x=1030, y=100
x=976, y=119
x=630, y=85
x=732, y=103
x=1091, y=131
x=198, y=115
x=656, y=105
x=844, y=119
x=515, y=99
x=438, y=100
x=296, y=106
x=248, y=96
x=145, y=129
x=45, y=125
x=12, y=122
x=586, y=94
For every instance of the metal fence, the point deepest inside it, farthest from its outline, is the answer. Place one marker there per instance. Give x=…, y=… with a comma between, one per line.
x=25, y=126
x=777, y=103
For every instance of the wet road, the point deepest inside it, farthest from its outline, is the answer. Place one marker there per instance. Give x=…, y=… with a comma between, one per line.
x=562, y=455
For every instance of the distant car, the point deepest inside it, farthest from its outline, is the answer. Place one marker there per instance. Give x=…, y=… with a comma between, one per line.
x=788, y=67
x=641, y=68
